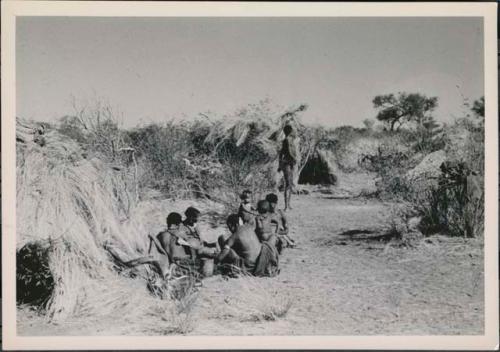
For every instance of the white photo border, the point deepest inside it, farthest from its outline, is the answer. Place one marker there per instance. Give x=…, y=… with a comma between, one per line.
x=12, y=9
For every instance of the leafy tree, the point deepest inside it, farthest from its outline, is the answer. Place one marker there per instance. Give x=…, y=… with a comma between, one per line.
x=404, y=108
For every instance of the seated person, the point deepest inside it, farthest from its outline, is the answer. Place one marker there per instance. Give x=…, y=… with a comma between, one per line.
x=191, y=222
x=246, y=211
x=264, y=224
x=245, y=252
x=279, y=220
x=242, y=248
x=160, y=251
x=188, y=245
x=233, y=223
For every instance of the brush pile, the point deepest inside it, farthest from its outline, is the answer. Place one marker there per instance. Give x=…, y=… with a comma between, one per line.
x=249, y=141
x=68, y=208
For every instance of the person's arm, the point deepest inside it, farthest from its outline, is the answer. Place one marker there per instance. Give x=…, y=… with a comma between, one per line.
x=249, y=208
x=281, y=154
x=195, y=243
x=196, y=231
x=292, y=149
x=227, y=247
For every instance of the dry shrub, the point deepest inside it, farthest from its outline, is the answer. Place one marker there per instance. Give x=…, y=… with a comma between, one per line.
x=439, y=194
x=95, y=125
x=355, y=147
x=465, y=143
x=351, y=145
x=160, y=150
x=178, y=317
x=390, y=162
x=203, y=158
x=449, y=207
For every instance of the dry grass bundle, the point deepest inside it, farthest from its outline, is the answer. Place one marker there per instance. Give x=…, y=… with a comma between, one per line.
x=74, y=206
x=262, y=302
x=250, y=298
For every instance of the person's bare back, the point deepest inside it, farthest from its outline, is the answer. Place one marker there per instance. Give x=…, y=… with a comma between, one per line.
x=245, y=244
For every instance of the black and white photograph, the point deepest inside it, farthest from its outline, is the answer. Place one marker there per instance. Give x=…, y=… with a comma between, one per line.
x=259, y=175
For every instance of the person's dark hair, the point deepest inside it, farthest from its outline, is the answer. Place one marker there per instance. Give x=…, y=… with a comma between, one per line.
x=233, y=219
x=245, y=194
x=272, y=198
x=262, y=206
x=287, y=129
x=192, y=212
x=174, y=219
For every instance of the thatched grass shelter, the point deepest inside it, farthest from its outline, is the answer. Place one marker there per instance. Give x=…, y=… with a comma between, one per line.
x=68, y=209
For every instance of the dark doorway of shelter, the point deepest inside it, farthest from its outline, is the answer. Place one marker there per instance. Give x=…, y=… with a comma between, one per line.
x=317, y=172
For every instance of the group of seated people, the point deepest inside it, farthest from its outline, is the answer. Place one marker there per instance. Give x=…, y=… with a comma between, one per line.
x=257, y=238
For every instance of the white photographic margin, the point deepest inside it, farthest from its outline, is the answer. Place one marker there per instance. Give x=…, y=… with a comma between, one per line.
x=12, y=9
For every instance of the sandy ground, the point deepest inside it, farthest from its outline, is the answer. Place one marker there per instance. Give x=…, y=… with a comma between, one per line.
x=360, y=287
x=353, y=288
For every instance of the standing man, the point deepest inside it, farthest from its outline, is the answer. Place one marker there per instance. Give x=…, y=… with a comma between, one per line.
x=287, y=161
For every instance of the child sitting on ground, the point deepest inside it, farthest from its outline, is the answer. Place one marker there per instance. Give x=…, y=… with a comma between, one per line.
x=264, y=226
x=246, y=211
x=279, y=221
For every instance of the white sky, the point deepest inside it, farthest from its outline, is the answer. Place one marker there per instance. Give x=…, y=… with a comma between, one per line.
x=157, y=68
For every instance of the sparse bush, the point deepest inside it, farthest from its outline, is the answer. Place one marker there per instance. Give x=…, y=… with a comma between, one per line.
x=390, y=161
x=427, y=136
x=160, y=150
x=95, y=125
x=350, y=145
x=451, y=207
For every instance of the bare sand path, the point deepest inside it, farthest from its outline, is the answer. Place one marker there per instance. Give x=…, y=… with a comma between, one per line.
x=360, y=288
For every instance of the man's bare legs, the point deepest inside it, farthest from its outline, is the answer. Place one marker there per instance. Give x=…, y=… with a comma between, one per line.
x=288, y=197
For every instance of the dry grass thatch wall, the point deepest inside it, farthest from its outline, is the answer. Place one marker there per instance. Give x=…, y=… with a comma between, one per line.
x=72, y=206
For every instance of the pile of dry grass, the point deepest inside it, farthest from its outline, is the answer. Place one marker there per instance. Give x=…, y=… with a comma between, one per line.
x=247, y=298
x=73, y=206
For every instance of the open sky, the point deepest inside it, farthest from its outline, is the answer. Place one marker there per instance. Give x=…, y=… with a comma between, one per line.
x=153, y=69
